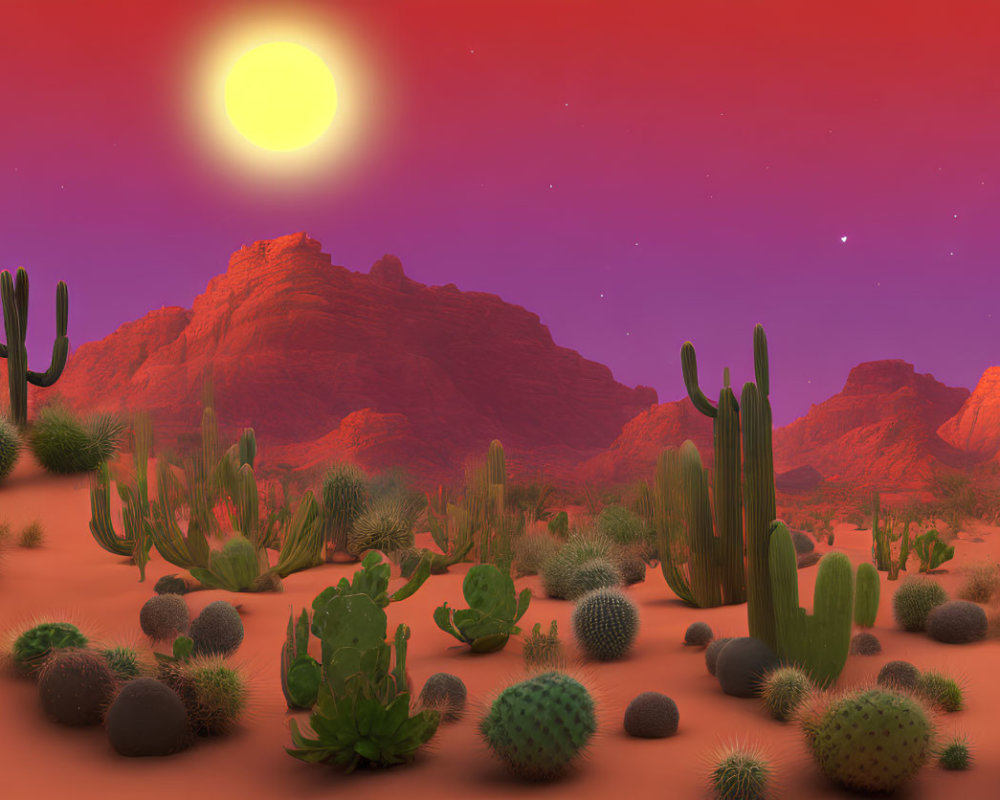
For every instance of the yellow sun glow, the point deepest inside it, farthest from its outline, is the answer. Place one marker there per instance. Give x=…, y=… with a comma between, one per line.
x=280, y=96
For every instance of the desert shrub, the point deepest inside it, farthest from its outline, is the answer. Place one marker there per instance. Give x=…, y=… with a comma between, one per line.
x=532, y=500
x=32, y=536
x=532, y=550
x=10, y=447
x=446, y=693
x=147, y=718
x=35, y=645
x=712, y=653
x=605, y=622
x=955, y=754
x=217, y=630
x=539, y=726
x=164, y=616
x=599, y=573
x=75, y=687
x=900, y=675
x=840, y=736
x=123, y=661
x=742, y=666
x=698, y=634
x=558, y=525
x=783, y=690
x=914, y=600
x=651, y=715
x=64, y=443
x=942, y=692
x=621, y=525
x=581, y=547
x=865, y=644
x=957, y=622
x=739, y=773
x=981, y=582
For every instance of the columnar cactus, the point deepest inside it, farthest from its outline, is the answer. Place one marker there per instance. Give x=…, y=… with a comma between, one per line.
x=817, y=642
x=14, y=294
x=866, y=596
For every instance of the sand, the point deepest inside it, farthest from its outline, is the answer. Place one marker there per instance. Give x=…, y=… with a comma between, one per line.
x=71, y=577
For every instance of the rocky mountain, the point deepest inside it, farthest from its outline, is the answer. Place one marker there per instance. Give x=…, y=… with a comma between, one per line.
x=326, y=363
x=879, y=431
x=976, y=427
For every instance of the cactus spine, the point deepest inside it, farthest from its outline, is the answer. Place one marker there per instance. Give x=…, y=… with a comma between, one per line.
x=817, y=642
x=14, y=294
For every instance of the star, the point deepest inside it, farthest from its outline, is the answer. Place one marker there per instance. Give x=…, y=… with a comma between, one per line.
x=602, y=295
x=843, y=239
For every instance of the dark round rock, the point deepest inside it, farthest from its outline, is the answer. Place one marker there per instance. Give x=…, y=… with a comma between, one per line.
x=957, y=622
x=712, y=653
x=698, y=634
x=147, y=718
x=865, y=644
x=742, y=665
x=651, y=715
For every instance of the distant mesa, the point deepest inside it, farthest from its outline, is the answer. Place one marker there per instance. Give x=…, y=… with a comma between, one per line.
x=798, y=480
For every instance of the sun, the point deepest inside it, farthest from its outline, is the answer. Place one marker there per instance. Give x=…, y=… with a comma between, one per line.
x=280, y=96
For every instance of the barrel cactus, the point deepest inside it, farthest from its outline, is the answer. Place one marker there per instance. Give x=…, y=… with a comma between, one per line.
x=147, y=718
x=599, y=573
x=446, y=693
x=955, y=754
x=698, y=634
x=783, y=690
x=164, y=616
x=217, y=630
x=957, y=622
x=914, y=600
x=898, y=675
x=606, y=623
x=538, y=727
x=739, y=773
x=75, y=687
x=651, y=715
x=871, y=740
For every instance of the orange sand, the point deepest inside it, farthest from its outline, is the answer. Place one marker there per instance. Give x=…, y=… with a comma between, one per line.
x=71, y=576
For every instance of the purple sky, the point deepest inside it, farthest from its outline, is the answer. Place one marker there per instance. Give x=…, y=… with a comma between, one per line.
x=695, y=164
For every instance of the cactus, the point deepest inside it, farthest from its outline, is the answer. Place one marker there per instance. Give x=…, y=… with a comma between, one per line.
x=819, y=642
x=883, y=538
x=33, y=646
x=559, y=525
x=539, y=726
x=302, y=544
x=596, y=574
x=543, y=650
x=914, y=600
x=866, y=596
x=343, y=499
x=234, y=568
x=14, y=296
x=931, y=551
x=783, y=690
x=300, y=672
x=10, y=447
x=740, y=774
x=386, y=525
x=955, y=754
x=493, y=613
x=136, y=540
x=605, y=622
x=840, y=737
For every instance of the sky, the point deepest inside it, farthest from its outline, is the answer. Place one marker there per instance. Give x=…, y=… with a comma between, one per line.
x=637, y=173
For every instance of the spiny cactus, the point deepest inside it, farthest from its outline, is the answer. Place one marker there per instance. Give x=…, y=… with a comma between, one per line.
x=783, y=690
x=446, y=693
x=10, y=447
x=66, y=444
x=841, y=740
x=898, y=675
x=605, y=623
x=957, y=622
x=884, y=538
x=698, y=634
x=164, y=616
x=75, y=687
x=914, y=600
x=558, y=570
x=538, y=727
x=942, y=692
x=14, y=297
x=387, y=526
x=739, y=773
x=866, y=595
x=955, y=754
x=651, y=715
x=712, y=653
x=344, y=495
x=147, y=718
x=865, y=644
x=596, y=574
x=124, y=662
x=33, y=646
x=217, y=630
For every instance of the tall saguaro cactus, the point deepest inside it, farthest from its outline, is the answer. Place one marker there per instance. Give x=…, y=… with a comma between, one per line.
x=14, y=293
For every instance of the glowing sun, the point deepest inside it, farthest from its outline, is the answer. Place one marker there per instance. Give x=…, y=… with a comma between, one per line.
x=280, y=96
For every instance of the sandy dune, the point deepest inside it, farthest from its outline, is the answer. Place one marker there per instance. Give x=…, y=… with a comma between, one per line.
x=72, y=577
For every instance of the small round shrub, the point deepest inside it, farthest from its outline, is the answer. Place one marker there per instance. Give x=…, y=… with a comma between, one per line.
x=557, y=570
x=981, y=583
x=217, y=630
x=783, y=690
x=32, y=536
x=698, y=634
x=900, y=675
x=621, y=525
x=742, y=665
x=865, y=644
x=171, y=584
x=147, y=718
x=123, y=661
x=739, y=774
x=957, y=622
x=940, y=691
x=539, y=726
x=712, y=653
x=446, y=693
x=33, y=646
x=164, y=616
x=10, y=447
x=651, y=715
x=596, y=574
x=605, y=622
x=75, y=687
x=955, y=755
x=914, y=600
x=532, y=550
x=841, y=739
x=65, y=444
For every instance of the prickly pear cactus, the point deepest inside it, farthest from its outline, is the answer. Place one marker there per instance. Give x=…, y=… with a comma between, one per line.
x=872, y=740
x=539, y=726
x=494, y=610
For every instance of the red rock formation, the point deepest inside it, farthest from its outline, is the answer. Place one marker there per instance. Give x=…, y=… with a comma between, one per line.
x=324, y=362
x=976, y=427
x=880, y=431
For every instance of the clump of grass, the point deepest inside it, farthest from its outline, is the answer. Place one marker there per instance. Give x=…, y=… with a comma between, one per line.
x=4, y=534
x=942, y=692
x=982, y=580
x=32, y=536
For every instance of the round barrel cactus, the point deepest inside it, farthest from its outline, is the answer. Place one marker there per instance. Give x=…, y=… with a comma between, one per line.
x=606, y=622
x=539, y=726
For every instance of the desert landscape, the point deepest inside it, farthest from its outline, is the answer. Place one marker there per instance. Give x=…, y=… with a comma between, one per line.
x=501, y=399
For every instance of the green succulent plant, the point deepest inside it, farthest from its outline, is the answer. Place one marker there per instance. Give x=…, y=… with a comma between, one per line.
x=301, y=674
x=740, y=774
x=33, y=646
x=493, y=612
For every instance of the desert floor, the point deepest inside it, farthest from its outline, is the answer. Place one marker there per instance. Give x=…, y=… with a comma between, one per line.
x=71, y=577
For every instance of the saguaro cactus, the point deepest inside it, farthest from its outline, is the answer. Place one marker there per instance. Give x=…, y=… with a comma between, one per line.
x=14, y=293
x=819, y=642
